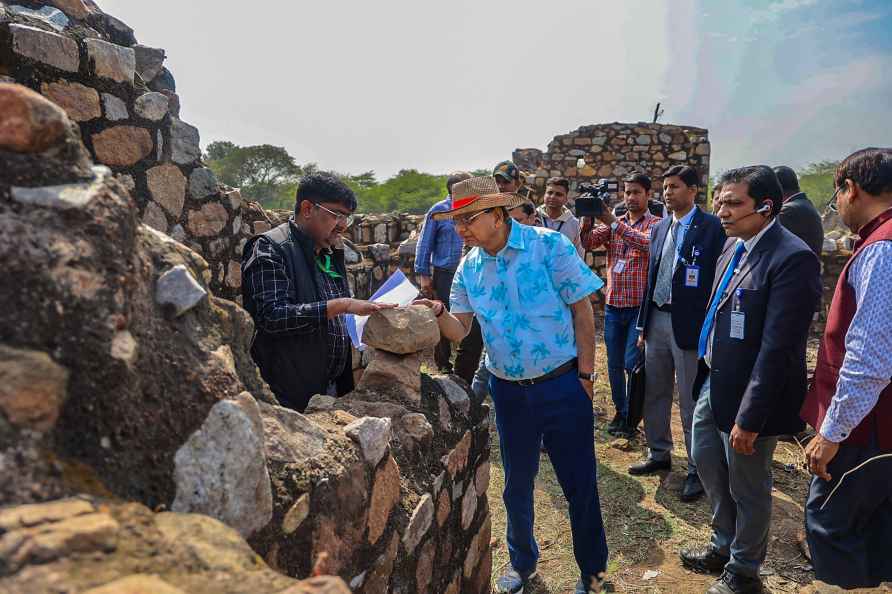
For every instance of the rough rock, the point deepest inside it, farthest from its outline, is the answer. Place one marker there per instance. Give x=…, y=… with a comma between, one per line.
x=73, y=8
x=481, y=479
x=378, y=578
x=320, y=402
x=444, y=506
x=403, y=330
x=79, y=102
x=297, y=514
x=45, y=47
x=31, y=123
x=457, y=459
x=480, y=545
x=455, y=394
x=290, y=436
x=385, y=496
x=122, y=146
x=179, y=289
x=221, y=469
x=425, y=568
x=380, y=253
x=139, y=583
x=208, y=221
x=373, y=436
x=419, y=523
x=392, y=377
x=149, y=61
x=26, y=516
x=154, y=217
x=415, y=431
x=202, y=183
x=115, y=108
x=468, y=506
x=163, y=82
x=184, y=142
x=111, y=61
x=167, y=186
x=32, y=388
x=64, y=197
x=151, y=106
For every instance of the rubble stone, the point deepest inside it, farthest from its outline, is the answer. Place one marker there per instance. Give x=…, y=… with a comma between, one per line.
x=390, y=376
x=151, y=106
x=31, y=123
x=385, y=496
x=178, y=288
x=115, y=108
x=373, y=436
x=122, y=146
x=111, y=61
x=184, y=142
x=419, y=523
x=154, y=217
x=221, y=469
x=402, y=331
x=202, y=183
x=149, y=61
x=32, y=388
x=79, y=102
x=45, y=47
x=208, y=221
x=167, y=186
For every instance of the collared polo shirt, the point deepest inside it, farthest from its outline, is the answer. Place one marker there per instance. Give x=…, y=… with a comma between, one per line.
x=522, y=297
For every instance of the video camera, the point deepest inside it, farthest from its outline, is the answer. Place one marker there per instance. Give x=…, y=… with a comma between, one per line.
x=592, y=199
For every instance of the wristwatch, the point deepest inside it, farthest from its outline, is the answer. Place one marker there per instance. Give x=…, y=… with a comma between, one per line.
x=589, y=377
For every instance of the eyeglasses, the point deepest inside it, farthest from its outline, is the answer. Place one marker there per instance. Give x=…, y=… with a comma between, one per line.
x=834, y=206
x=339, y=216
x=465, y=221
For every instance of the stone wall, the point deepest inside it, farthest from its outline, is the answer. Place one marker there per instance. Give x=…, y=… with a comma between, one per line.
x=613, y=150
x=125, y=104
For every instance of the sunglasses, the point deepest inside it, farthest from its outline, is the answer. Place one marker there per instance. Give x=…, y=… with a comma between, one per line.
x=465, y=221
x=339, y=216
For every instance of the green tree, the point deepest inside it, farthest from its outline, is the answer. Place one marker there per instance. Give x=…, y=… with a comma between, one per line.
x=261, y=171
x=219, y=150
x=407, y=191
x=817, y=180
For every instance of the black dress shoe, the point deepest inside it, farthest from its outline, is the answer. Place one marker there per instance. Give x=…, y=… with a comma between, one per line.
x=617, y=422
x=650, y=466
x=731, y=583
x=704, y=560
x=692, y=489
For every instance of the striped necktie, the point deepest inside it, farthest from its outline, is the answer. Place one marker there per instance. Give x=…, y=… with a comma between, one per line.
x=717, y=298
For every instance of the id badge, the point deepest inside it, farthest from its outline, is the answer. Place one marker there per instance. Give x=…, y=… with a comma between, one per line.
x=692, y=276
x=738, y=320
x=619, y=266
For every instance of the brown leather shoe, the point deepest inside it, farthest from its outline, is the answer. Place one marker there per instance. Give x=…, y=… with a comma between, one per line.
x=704, y=560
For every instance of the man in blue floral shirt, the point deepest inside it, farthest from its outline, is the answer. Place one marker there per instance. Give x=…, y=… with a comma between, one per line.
x=532, y=302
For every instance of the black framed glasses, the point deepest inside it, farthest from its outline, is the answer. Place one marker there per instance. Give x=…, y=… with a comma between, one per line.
x=833, y=205
x=346, y=219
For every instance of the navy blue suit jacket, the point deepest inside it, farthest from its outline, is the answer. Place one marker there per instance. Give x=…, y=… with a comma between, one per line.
x=759, y=382
x=688, y=303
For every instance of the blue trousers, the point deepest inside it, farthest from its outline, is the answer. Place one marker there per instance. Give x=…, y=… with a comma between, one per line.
x=621, y=339
x=849, y=539
x=559, y=413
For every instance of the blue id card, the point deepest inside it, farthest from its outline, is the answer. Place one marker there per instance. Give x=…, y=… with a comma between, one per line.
x=692, y=276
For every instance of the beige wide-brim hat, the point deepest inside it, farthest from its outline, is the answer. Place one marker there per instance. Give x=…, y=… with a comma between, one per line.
x=476, y=194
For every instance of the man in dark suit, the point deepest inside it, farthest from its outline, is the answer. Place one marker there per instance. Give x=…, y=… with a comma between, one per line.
x=683, y=254
x=798, y=214
x=752, y=373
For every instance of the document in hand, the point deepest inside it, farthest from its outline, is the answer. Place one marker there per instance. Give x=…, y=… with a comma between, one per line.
x=397, y=289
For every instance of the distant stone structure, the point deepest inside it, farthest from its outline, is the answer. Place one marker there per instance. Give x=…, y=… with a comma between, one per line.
x=614, y=150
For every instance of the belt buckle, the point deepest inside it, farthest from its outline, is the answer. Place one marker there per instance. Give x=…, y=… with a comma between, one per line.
x=527, y=382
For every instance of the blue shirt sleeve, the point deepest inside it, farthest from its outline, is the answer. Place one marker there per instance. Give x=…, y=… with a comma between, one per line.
x=867, y=367
x=424, y=249
x=569, y=274
x=458, y=295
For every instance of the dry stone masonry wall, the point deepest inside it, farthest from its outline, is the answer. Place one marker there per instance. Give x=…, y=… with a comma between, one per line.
x=614, y=150
x=124, y=101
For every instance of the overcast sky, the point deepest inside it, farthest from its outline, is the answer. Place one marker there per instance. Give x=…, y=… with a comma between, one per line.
x=436, y=86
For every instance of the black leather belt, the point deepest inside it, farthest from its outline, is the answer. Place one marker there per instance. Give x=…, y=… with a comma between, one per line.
x=666, y=307
x=569, y=365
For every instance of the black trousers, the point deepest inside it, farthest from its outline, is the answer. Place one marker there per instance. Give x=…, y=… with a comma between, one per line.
x=849, y=539
x=442, y=281
x=467, y=358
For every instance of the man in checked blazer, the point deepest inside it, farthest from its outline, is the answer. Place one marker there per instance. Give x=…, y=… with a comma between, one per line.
x=752, y=372
x=684, y=248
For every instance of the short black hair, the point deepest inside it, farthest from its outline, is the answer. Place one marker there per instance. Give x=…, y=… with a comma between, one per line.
x=787, y=178
x=455, y=177
x=636, y=177
x=559, y=181
x=870, y=168
x=686, y=173
x=761, y=183
x=324, y=187
x=527, y=208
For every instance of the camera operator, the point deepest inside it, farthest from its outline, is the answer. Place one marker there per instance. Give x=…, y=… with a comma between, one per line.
x=628, y=244
x=556, y=216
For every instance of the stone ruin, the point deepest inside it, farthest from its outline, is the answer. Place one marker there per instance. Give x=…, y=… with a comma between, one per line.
x=615, y=150
x=140, y=449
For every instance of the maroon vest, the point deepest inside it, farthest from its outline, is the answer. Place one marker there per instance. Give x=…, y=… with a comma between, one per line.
x=833, y=350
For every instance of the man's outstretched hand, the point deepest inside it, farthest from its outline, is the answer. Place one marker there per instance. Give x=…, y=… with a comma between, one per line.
x=435, y=306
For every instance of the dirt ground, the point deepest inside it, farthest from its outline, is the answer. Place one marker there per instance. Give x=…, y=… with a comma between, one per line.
x=646, y=523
